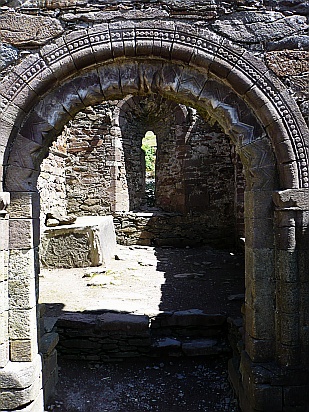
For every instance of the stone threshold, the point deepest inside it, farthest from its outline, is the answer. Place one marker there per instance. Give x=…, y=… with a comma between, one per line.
x=114, y=336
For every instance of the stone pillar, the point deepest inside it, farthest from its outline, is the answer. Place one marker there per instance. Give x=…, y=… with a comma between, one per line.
x=274, y=367
x=4, y=303
x=292, y=292
x=21, y=378
x=260, y=276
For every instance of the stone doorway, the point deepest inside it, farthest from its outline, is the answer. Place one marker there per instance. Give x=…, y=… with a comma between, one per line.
x=203, y=71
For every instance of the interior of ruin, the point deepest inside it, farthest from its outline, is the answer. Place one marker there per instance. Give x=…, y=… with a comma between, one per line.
x=223, y=87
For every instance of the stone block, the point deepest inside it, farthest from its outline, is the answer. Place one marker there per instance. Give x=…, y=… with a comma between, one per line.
x=19, y=375
x=22, y=293
x=220, y=67
x=22, y=29
x=288, y=297
x=191, y=89
x=110, y=82
x=259, y=204
x=100, y=42
x=288, y=173
x=37, y=405
x=259, y=350
x=49, y=365
x=57, y=58
x=287, y=266
x=289, y=330
x=11, y=399
x=123, y=322
x=48, y=343
x=49, y=386
x=17, y=91
x=193, y=317
x=78, y=44
x=24, y=233
x=239, y=80
x=259, y=233
x=22, y=323
x=259, y=265
x=73, y=320
x=21, y=179
x=129, y=75
x=23, y=350
x=266, y=398
x=285, y=238
x=201, y=347
x=24, y=205
x=289, y=355
x=23, y=264
x=259, y=322
x=88, y=88
x=90, y=241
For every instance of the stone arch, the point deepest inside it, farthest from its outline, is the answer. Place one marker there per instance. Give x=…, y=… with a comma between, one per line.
x=112, y=60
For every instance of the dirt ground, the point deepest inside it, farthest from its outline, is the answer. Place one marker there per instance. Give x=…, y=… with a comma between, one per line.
x=147, y=280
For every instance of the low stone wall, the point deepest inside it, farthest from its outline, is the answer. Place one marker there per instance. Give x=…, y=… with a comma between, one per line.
x=112, y=336
x=171, y=229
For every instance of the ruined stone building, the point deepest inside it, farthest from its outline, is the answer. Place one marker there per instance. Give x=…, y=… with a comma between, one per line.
x=224, y=87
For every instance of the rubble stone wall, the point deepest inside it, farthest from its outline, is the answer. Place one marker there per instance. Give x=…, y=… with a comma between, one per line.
x=104, y=165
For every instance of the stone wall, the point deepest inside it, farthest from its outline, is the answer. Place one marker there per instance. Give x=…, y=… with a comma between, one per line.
x=104, y=173
x=112, y=336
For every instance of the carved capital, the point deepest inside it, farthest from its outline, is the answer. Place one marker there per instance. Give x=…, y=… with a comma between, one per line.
x=292, y=198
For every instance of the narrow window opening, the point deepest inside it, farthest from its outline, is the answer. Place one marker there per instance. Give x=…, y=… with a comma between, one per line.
x=149, y=146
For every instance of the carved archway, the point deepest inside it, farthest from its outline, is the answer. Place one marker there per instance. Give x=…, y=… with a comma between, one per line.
x=190, y=66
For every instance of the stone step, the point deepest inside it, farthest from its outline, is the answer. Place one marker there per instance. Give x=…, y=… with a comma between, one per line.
x=105, y=335
x=189, y=347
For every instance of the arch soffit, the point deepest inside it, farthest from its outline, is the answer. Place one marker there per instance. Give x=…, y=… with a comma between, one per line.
x=54, y=110
x=199, y=49
x=131, y=103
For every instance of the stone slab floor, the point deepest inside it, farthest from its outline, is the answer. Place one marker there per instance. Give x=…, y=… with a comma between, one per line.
x=147, y=280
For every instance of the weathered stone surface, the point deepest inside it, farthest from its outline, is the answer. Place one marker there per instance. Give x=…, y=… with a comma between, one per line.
x=48, y=343
x=24, y=233
x=23, y=264
x=252, y=27
x=90, y=241
x=24, y=205
x=298, y=198
x=60, y=218
x=20, y=375
x=8, y=55
x=23, y=350
x=23, y=30
x=271, y=25
x=200, y=347
x=22, y=324
x=288, y=62
x=123, y=322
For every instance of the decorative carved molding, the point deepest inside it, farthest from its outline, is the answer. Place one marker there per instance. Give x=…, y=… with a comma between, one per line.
x=195, y=49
